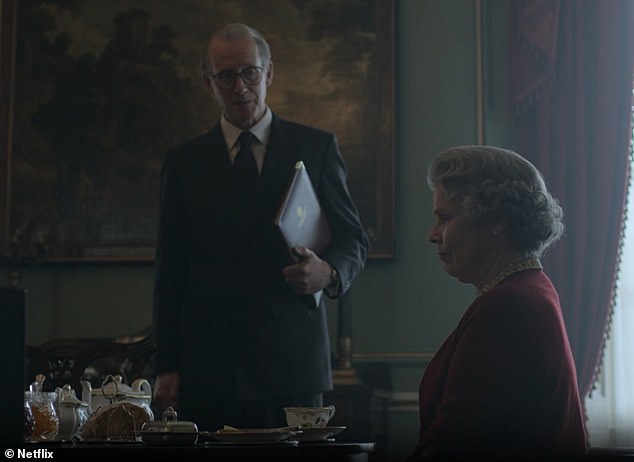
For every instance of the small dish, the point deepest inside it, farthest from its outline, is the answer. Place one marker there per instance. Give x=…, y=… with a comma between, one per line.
x=168, y=438
x=169, y=431
x=253, y=435
x=288, y=442
x=108, y=441
x=317, y=433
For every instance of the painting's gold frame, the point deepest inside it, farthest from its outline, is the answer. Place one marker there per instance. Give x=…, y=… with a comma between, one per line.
x=379, y=189
x=7, y=79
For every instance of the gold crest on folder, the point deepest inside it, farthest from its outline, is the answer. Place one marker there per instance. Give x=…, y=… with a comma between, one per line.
x=300, y=218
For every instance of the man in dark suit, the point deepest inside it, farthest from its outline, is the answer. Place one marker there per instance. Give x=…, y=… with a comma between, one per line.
x=238, y=337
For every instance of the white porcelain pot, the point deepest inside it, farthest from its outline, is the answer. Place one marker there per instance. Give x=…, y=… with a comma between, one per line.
x=72, y=412
x=113, y=391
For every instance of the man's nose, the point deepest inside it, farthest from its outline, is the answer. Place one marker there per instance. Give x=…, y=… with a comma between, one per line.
x=238, y=84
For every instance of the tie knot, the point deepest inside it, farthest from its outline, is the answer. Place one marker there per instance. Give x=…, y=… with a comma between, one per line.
x=245, y=139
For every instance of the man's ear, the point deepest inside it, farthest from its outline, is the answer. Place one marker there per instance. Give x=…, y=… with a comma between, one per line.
x=269, y=74
x=206, y=79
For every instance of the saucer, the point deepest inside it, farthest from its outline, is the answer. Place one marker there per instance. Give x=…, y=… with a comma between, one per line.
x=316, y=433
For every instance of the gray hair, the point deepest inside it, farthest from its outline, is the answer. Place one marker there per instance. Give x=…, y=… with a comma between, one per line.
x=498, y=184
x=236, y=31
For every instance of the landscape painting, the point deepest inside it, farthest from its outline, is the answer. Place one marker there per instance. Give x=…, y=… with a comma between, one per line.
x=97, y=91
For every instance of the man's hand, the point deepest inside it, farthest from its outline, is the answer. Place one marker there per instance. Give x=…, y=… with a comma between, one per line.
x=310, y=275
x=166, y=390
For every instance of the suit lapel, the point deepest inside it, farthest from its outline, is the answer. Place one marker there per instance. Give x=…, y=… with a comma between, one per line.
x=214, y=153
x=277, y=168
x=278, y=161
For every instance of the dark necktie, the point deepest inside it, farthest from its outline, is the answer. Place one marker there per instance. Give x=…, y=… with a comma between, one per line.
x=244, y=161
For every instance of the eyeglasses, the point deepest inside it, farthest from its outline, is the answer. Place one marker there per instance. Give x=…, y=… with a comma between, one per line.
x=251, y=75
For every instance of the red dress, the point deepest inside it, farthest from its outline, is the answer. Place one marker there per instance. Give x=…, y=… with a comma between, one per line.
x=505, y=377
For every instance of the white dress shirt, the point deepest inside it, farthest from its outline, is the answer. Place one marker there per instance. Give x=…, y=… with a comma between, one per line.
x=260, y=130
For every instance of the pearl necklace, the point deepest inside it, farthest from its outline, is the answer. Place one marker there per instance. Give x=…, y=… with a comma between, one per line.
x=515, y=267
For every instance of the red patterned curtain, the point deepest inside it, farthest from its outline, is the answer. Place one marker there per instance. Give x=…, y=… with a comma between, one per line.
x=571, y=82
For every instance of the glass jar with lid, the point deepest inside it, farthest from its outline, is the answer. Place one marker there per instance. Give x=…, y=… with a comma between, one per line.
x=42, y=405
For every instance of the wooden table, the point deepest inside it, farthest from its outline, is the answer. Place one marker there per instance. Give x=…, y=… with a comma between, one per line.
x=318, y=451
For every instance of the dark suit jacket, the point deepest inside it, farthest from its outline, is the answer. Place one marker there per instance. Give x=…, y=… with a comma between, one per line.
x=223, y=314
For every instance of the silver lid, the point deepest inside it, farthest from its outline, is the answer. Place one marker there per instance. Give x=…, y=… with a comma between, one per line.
x=170, y=424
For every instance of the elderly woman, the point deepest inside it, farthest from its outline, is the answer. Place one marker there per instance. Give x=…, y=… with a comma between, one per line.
x=505, y=378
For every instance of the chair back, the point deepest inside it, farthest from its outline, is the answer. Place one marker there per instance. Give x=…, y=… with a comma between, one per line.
x=68, y=361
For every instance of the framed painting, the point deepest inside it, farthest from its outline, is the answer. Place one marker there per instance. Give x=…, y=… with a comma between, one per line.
x=93, y=94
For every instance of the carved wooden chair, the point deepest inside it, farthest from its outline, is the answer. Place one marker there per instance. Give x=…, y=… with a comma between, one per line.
x=67, y=361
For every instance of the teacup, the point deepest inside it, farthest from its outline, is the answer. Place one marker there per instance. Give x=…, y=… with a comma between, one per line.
x=309, y=417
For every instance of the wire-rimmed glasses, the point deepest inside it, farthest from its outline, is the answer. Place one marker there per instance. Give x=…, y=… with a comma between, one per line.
x=251, y=75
